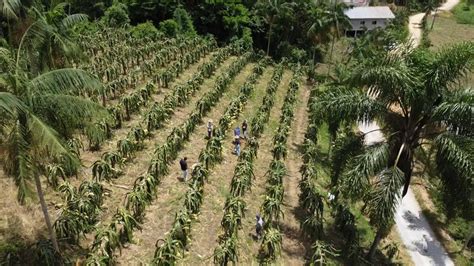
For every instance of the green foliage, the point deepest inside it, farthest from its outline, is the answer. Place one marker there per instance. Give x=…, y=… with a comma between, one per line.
x=145, y=31
x=169, y=27
x=184, y=21
x=116, y=15
x=464, y=12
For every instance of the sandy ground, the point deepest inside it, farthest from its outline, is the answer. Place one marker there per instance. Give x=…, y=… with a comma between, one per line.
x=415, y=232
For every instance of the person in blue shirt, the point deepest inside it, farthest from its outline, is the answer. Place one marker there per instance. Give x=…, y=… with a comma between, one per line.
x=237, y=132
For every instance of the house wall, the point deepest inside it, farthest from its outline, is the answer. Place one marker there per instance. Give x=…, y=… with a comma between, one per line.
x=356, y=3
x=358, y=24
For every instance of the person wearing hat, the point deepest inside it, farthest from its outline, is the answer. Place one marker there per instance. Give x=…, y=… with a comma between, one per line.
x=237, y=145
x=210, y=126
x=244, y=129
x=259, y=226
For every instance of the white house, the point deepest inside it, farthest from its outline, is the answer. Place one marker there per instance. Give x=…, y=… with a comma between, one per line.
x=356, y=3
x=369, y=17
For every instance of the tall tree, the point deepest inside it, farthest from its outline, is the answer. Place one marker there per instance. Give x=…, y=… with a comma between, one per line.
x=32, y=106
x=412, y=94
x=46, y=42
x=271, y=10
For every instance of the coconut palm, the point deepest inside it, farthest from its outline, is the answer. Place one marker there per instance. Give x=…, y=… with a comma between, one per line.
x=36, y=111
x=414, y=97
x=10, y=9
x=272, y=10
x=46, y=41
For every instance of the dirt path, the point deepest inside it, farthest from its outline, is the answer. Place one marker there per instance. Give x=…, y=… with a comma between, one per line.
x=414, y=21
x=293, y=248
x=247, y=246
x=160, y=214
x=207, y=228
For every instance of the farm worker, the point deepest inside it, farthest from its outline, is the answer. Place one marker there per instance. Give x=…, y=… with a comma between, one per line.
x=244, y=128
x=209, y=129
x=237, y=146
x=237, y=132
x=331, y=196
x=184, y=167
x=259, y=226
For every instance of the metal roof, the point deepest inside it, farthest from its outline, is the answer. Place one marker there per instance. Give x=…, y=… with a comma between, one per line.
x=369, y=12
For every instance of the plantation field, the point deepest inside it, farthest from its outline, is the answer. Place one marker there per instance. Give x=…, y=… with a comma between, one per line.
x=126, y=197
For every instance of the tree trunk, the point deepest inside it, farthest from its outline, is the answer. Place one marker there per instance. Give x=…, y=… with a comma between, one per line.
x=434, y=17
x=375, y=243
x=269, y=38
x=51, y=232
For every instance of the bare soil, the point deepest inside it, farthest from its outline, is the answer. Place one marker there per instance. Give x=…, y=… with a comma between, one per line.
x=294, y=245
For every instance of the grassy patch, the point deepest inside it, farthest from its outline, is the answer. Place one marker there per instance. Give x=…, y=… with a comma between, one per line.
x=447, y=31
x=464, y=13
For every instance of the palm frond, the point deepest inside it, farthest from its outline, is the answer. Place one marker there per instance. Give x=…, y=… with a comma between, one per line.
x=388, y=78
x=382, y=200
x=45, y=139
x=457, y=110
x=73, y=19
x=449, y=65
x=10, y=104
x=64, y=81
x=10, y=8
x=68, y=112
x=456, y=152
x=344, y=104
x=361, y=168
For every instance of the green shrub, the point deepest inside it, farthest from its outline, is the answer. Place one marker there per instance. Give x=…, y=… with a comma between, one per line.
x=145, y=30
x=116, y=15
x=184, y=21
x=169, y=27
x=458, y=228
x=464, y=12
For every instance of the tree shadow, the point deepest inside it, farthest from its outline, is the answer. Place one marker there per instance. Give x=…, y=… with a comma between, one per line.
x=415, y=223
x=431, y=248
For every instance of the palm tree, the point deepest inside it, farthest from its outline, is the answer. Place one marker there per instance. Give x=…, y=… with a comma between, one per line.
x=271, y=11
x=46, y=41
x=318, y=30
x=338, y=21
x=35, y=110
x=411, y=93
x=10, y=9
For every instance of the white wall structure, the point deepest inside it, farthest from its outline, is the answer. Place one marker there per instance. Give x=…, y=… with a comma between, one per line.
x=356, y=3
x=369, y=18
